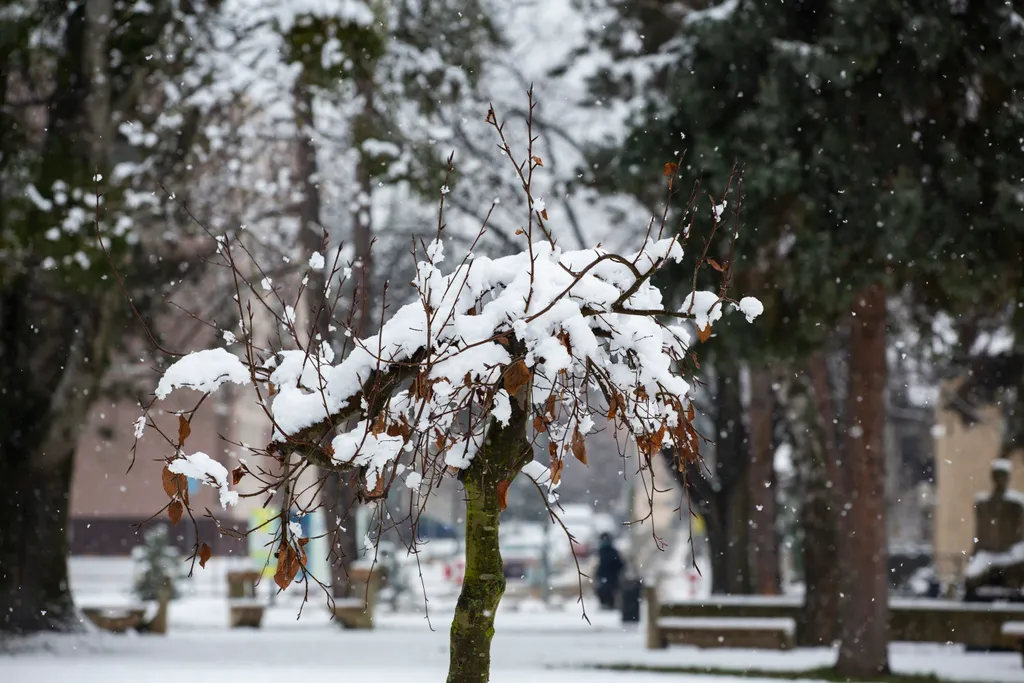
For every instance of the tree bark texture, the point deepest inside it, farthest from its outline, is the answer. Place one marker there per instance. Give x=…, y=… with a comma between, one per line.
x=864, y=610
x=501, y=458
x=51, y=360
x=814, y=431
x=763, y=545
x=482, y=587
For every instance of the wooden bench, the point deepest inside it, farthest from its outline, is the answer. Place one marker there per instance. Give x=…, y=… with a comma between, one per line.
x=706, y=632
x=913, y=620
x=122, y=619
x=356, y=611
x=244, y=609
x=115, y=619
x=1014, y=630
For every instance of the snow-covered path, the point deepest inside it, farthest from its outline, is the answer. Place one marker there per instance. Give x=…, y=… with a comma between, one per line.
x=543, y=647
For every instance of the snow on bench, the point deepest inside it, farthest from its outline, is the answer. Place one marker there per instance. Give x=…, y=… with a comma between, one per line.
x=1014, y=629
x=782, y=624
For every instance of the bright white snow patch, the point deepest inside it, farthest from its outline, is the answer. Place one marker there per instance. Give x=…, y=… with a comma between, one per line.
x=751, y=308
x=1002, y=465
x=207, y=470
x=202, y=371
x=140, y=426
x=316, y=261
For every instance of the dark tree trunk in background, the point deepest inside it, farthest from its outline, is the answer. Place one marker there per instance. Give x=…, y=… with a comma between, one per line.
x=819, y=617
x=34, y=595
x=51, y=361
x=822, y=501
x=763, y=545
x=724, y=501
x=863, y=615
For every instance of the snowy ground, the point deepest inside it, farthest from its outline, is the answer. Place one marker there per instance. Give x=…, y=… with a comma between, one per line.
x=533, y=643
x=530, y=645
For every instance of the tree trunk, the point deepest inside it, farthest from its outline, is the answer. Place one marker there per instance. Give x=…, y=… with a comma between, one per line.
x=822, y=500
x=763, y=545
x=864, y=613
x=723, y=501
x=51, y=360
x=482, y=587
x=34, y=593
x=503, y=455
x=732, y=460
x=819, y=616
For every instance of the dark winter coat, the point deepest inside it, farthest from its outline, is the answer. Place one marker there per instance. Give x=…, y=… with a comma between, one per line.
x=609, y=564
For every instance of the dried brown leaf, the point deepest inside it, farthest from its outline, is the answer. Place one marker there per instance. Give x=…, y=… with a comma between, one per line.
x=714, y=264
x=175, y=510
x=503, y=493
x=579, y=447
x=287, y=566
x=184, y=429
x=704, y=334
x=175, y=485
x=613, y=407
x=556, y=470
x=236, y=475
x=516, y=377
x=205, y=553
x=544, y=214
x=537, y=161
x=670, y=169
x=538, y=424
x=549, y=406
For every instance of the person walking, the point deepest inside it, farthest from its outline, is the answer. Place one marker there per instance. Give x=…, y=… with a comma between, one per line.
x=609, y=570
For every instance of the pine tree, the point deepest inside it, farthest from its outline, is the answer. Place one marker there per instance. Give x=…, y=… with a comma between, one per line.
x=880, y=144
x=158, y=564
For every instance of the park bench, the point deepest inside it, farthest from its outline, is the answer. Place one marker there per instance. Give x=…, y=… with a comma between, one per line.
x=762, y=632
x=122, y=619
x=356, y=610
x=1014, y=630
x=914, y=620
x=115, y=619
x=244, y=609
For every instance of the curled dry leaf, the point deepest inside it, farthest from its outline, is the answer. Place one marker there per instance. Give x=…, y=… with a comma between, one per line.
x=613, y=407
x=236, y=475
x=175, y=485
x=175, y=510
x=503, y=493
x=205, y=553
x=538, y=161
x=669, y=169
x=704, y=334
x=714, y=264
x=538, y=424
x=184, y=429
x=579, y=448
x=556, y=470
x=287, y=566
x=516, y=377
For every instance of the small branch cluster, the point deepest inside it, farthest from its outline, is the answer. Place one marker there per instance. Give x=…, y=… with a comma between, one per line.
x=568, y=337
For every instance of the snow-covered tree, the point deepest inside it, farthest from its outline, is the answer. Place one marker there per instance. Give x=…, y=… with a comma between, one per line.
x=78, y=182
x=487, y=357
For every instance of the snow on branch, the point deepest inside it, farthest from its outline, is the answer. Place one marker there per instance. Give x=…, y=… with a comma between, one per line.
x=545, y=341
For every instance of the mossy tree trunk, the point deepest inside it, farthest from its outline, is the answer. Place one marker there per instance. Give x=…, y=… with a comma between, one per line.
x=500, y=460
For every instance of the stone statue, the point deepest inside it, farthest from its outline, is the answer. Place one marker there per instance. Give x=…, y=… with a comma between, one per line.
x=998, y=557
x=999, y=515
